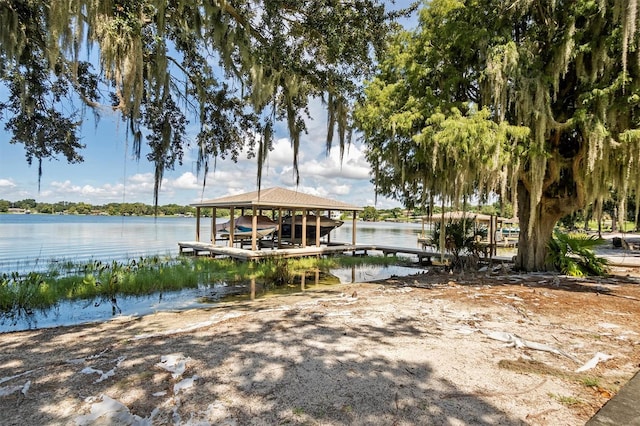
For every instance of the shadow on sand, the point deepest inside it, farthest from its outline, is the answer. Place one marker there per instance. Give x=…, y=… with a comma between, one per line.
x=277, y=366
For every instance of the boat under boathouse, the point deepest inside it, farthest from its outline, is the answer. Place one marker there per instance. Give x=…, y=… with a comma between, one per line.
x=289, y=223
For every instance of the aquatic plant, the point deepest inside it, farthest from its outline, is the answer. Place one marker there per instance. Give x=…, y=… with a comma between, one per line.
x=106, y=281
x=25, y=292
x=277, y=270
x=327, y=263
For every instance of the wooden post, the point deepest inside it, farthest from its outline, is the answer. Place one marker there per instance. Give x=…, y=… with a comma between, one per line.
x=353, y=231
x=254, y=229
x=492, y=236
x=317, y=228
x=304, y=228
x=293, y=226
x=197, y=223
x=232, y=225
x=213, y=225
x=443, y=229
x=280, y=228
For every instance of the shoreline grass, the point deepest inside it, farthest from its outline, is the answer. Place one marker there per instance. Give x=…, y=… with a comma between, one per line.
x=68, y=281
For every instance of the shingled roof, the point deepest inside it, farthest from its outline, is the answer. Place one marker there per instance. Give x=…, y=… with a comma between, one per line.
x=277, y=198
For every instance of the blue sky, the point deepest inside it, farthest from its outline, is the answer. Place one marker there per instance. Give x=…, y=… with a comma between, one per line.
x=110, y=174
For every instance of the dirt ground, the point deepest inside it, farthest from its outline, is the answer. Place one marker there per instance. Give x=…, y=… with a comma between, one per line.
x=486, y=348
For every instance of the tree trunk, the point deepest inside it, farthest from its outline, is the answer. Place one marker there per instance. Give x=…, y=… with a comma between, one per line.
x=587, y=216
x=532, y=248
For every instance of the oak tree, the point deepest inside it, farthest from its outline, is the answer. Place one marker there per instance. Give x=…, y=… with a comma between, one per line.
x=535, y=100
x=233, y=67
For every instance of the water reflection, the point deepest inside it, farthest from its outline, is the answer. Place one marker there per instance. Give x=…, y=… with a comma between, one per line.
x=254, y=289
x=25, y=317
x=115, y=309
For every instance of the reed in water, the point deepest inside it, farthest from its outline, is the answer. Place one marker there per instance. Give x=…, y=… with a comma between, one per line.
x=105, y=281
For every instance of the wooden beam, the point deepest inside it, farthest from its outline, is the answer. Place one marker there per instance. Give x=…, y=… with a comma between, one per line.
x=213, y=224
x=293, y=226
x=304, y=228
x=317, y=228
x=492, y=236
x=254, y=229
x=280, y=228
x=353, y=231
x=197, y=223
x=232, y=225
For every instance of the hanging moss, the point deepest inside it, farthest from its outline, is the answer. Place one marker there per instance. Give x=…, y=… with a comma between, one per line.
x=256, y=62
x=558, y=74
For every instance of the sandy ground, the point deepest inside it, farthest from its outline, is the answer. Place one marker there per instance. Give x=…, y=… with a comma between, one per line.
x=484, y=349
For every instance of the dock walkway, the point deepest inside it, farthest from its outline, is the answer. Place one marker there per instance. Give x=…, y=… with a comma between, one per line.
x=199, y=248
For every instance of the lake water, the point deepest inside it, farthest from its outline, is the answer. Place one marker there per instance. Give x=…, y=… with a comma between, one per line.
x=32, y=242
x=29, y=241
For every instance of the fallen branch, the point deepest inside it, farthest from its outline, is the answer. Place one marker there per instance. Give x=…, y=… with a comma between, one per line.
x=8, y=390
x=599, y=356
x=6, y=379
x=515, y=341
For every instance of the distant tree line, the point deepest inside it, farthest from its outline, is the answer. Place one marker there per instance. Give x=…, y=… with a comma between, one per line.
x=112, y=209
x=585, y=219
x=577, y=220
x=371, y=214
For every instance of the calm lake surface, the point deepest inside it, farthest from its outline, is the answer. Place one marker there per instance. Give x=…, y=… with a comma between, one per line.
x=32, y=242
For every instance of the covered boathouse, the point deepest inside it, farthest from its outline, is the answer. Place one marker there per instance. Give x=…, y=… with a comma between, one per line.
x=276, y=203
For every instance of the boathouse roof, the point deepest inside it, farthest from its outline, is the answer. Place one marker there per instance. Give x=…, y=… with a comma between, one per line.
x=472, y=216
x=277, y=197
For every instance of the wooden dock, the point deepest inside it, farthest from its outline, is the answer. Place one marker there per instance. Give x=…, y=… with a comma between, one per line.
x=199, y=249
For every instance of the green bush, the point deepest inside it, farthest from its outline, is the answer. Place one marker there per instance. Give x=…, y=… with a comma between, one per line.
x=460, y=238
x=572, y=254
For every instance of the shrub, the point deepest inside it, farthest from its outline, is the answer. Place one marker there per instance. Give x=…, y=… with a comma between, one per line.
x=572, y=254
x=460, y=238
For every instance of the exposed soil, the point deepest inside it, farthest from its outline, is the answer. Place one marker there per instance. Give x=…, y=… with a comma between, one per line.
x=423, y=349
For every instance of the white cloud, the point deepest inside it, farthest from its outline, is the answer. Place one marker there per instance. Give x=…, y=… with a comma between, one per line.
x=6, y=183
x=281, y=154
x=185, y=181
x=317, y=191
x=141, y=178
x=225, y=180
x=138, y=188
x=346, y=179
x=317, y=126
x=352, y=166
x=88, y=193
x=11, y=191
x=342, y=189
x=287, y=177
